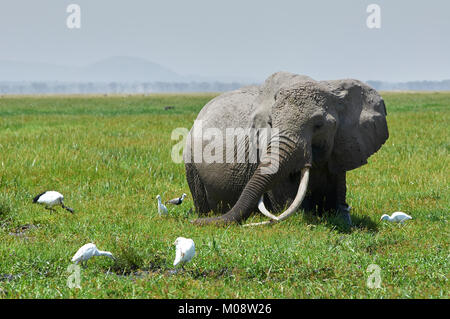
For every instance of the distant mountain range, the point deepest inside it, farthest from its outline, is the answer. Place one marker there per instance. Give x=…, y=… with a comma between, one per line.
x=123, y=69
x=136, y=75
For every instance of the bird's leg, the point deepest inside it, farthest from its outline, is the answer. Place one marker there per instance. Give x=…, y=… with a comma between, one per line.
x=343, y=210
x=50, y=209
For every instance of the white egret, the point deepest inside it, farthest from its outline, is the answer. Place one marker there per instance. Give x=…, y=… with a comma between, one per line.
x=88, y=251
x=397, y=217
x=50, y=199
x=176, y=201
x=162, y=210
x=185, y=250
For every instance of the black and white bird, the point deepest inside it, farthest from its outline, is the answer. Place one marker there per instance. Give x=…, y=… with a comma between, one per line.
x=162, y=210
x=185, y=250
x=87, y=251
x=50, y=199
x=176, y=201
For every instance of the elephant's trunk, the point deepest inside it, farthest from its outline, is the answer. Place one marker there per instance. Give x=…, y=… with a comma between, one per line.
x=277, y=162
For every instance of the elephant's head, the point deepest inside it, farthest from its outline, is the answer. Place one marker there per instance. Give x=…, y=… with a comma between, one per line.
x=335, y=123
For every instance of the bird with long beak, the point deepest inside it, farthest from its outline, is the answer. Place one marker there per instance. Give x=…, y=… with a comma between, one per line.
x=87, y=251
x=397, y=217
x=50, y=199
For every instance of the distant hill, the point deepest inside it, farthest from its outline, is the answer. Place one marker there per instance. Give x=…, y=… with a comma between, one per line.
x=127, y=69
x=123, y=69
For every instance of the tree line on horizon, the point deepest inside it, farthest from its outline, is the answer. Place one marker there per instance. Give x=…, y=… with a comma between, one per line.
x=42, y=87
x=113, y=87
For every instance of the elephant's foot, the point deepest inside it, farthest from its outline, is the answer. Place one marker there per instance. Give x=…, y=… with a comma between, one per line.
x=343, y=212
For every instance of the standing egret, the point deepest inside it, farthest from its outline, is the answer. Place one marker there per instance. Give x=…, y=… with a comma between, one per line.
x=162, y=210
x=176, y=201
x=185, y=250
x=87, y=251
x=397, y=217
x=50, y=199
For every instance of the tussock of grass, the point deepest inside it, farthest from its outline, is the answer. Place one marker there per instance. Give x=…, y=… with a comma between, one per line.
x=127, y=261
x=5, y=212
x=5, y=209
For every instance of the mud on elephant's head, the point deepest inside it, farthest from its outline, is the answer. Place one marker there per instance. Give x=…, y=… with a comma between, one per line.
x=337, y=124
x=340, y=123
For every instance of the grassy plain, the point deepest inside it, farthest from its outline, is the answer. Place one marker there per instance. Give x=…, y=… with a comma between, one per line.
x=111, y=155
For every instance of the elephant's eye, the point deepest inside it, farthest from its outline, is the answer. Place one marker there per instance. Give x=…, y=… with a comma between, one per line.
x=317, y=126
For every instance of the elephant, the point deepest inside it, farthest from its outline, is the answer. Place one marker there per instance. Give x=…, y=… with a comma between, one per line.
x=322, y=129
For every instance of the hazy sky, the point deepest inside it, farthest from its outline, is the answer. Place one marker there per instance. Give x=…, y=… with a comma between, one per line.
x=325, y=39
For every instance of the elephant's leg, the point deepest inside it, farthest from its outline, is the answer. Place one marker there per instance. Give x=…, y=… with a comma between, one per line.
x=307, y=204
x=318, y=202
x=330, y=200
x=317, y=191
x=329, y=194
x=197, y=190
x=343, y=209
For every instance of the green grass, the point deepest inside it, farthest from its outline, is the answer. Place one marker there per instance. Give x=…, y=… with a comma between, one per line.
x=110, y=157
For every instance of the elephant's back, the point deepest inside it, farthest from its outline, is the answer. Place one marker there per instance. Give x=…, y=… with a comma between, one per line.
x=230, y=109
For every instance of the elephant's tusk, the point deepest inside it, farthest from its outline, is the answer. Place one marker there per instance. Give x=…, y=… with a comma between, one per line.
x=300, y=195
x=262, y=208
x=292, y=208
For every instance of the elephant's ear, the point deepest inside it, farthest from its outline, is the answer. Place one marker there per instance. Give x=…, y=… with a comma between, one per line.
x=362, y=127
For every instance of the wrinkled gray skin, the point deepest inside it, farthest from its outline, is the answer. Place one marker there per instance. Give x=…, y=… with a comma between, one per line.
x=332, y=125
